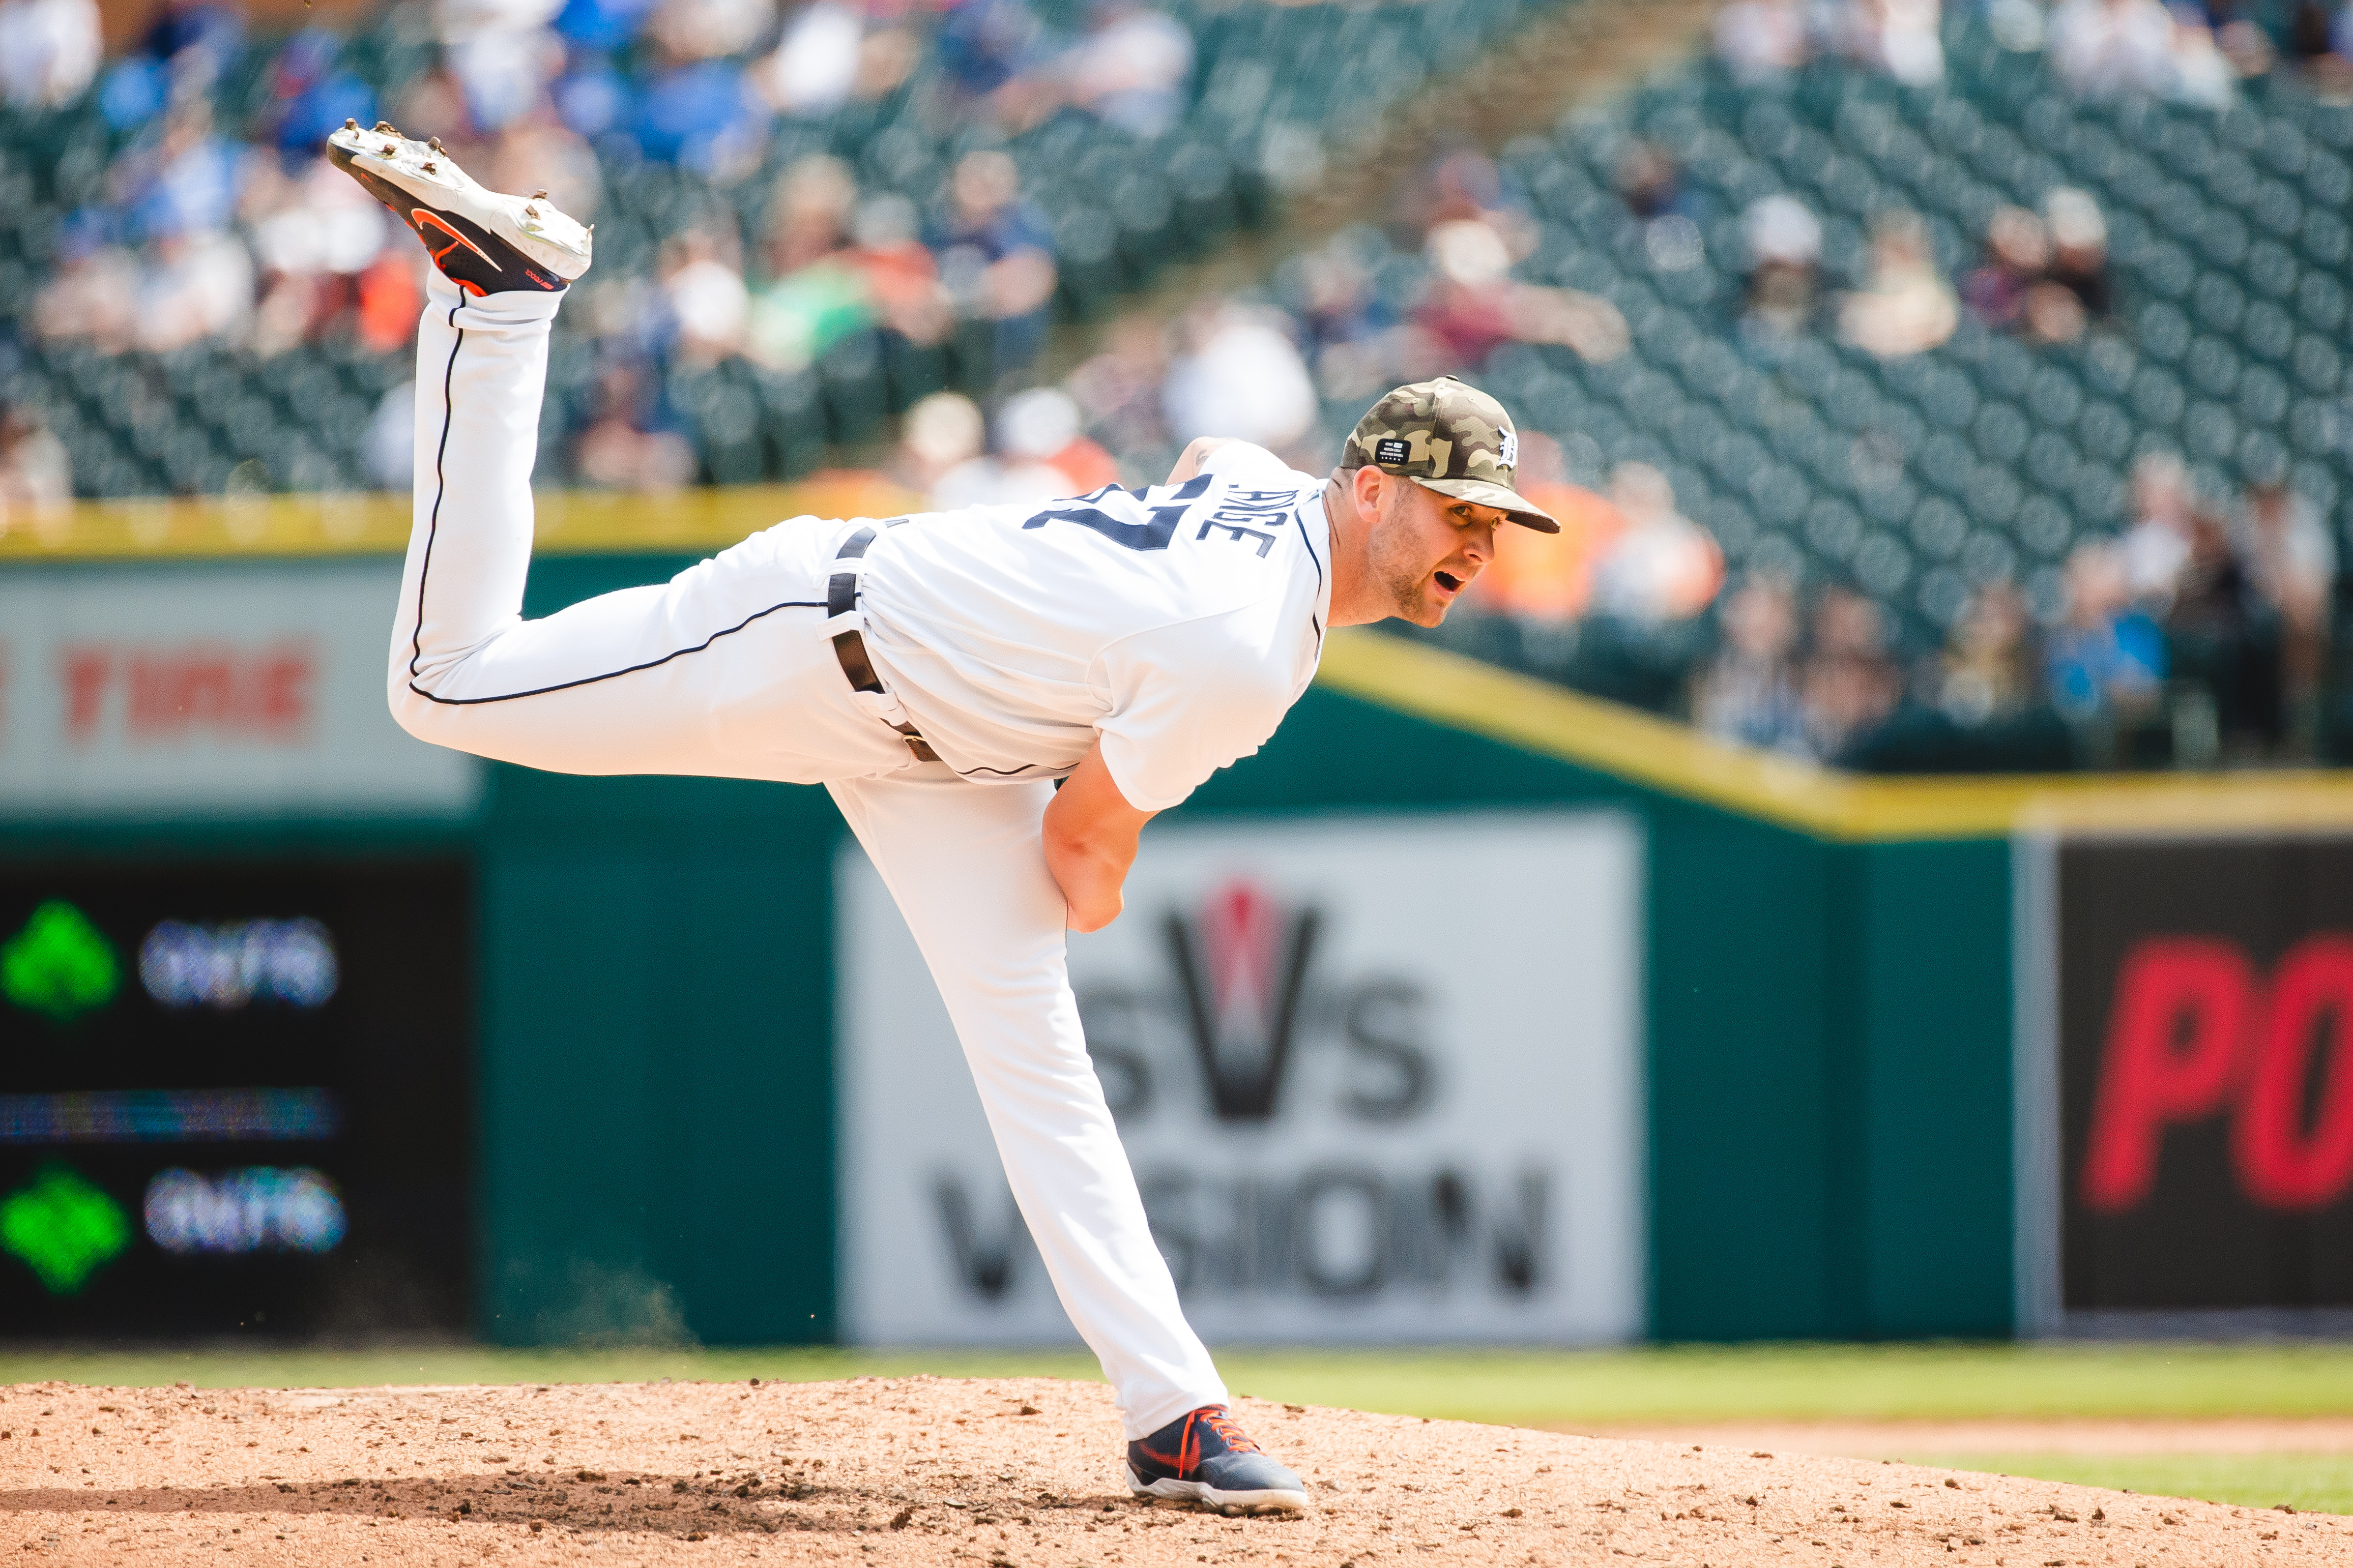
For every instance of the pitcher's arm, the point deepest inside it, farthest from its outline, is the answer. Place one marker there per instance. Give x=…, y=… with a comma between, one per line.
x=1188, y=461
x=1091, y=842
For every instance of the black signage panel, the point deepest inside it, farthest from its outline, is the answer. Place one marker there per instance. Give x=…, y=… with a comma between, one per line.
x=234, y=1097
x=2205, y=1025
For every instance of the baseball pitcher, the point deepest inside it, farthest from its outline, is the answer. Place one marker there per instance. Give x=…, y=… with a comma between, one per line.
x=998, y=698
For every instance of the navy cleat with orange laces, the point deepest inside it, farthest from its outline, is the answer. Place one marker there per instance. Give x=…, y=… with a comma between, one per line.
x=1202, y=1457
x=483, y=242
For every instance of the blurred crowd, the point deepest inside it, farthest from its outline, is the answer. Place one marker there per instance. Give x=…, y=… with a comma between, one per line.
x=2190, y=51
x=36, y=471
x=2224, y=601
x=2199, y=633
x=240, y=237
x=1763, y=40
x=690, y=80
x=1431, y=288
x=2043, y=276
x=1629, y=580
x=832, y=263
x=2199, y=637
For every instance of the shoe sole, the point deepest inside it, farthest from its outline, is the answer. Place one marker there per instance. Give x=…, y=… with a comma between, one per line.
x=1203, y=1495
x=401, y=173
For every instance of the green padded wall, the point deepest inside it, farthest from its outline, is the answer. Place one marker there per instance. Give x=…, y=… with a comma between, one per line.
x=1932, y=995
x=656, y=1143
x=1828, y=1035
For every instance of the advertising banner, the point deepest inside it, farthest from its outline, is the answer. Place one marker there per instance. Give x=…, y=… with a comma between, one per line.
x=236, y=1096
x=1380, y=1077
x=2203, y=1019
x=207, y=687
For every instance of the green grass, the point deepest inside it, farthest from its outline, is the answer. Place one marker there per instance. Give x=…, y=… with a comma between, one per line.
x=2309, y=1483
x=1702, y=1384
x=1552, y=1388
x=1569, y=1389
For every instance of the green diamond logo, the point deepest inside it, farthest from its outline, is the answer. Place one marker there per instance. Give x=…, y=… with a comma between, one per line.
x=59, y=965
x=63, y=1228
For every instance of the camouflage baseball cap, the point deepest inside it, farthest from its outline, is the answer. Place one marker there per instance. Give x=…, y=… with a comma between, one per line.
x=1449, y=436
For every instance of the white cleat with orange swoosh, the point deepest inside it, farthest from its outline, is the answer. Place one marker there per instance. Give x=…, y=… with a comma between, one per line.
x=483, y=242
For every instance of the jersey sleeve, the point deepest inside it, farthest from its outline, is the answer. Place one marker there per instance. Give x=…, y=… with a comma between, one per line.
x=1239, y=461
x=1186, y=700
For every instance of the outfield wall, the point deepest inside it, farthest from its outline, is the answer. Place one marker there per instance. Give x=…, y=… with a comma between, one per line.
x=1825, y=995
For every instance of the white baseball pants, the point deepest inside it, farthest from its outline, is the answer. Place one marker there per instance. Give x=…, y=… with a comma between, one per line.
x=723, y=671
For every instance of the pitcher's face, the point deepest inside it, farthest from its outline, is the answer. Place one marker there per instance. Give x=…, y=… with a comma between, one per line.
x=1425, y=548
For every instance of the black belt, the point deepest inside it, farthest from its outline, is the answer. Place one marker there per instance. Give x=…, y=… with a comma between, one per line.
x=849, y=647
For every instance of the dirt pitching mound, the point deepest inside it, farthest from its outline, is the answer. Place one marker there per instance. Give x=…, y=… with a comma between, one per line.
x=1011, y=1471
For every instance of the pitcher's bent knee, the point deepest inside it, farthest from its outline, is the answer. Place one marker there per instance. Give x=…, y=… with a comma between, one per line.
x=432, y=723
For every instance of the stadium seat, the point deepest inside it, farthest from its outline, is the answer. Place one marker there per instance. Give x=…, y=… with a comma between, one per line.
x=2228, y=257
x=1154, y=200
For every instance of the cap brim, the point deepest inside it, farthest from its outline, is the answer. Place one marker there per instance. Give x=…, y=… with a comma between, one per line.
x=1502, y=498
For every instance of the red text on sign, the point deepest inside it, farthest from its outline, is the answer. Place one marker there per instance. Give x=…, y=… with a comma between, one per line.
x=151, y=694
x=2195, y=1031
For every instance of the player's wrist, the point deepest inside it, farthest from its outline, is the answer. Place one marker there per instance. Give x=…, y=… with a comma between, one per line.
x=1094, y=914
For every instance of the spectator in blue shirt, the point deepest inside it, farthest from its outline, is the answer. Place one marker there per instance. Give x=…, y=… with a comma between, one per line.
x=996, y=256
x=2107, y=661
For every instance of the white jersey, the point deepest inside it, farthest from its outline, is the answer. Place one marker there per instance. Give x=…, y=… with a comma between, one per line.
x=1177, y=623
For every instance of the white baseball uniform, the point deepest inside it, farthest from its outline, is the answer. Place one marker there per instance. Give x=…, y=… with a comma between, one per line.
x=1178, y=624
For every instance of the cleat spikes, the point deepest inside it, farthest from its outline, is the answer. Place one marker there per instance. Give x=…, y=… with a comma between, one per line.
x=484, y=242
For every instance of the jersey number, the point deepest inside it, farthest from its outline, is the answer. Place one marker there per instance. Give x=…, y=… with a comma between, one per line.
x=1153, y=535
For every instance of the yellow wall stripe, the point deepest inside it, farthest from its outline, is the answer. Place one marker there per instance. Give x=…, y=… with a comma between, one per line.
x=690, y=521
x=1408, y=677
x=1676, y=760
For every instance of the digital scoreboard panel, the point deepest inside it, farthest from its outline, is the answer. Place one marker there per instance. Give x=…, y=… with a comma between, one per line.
x=236, y=1096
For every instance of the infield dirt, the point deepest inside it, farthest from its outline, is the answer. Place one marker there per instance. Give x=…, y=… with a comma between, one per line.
x=928, y=1470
